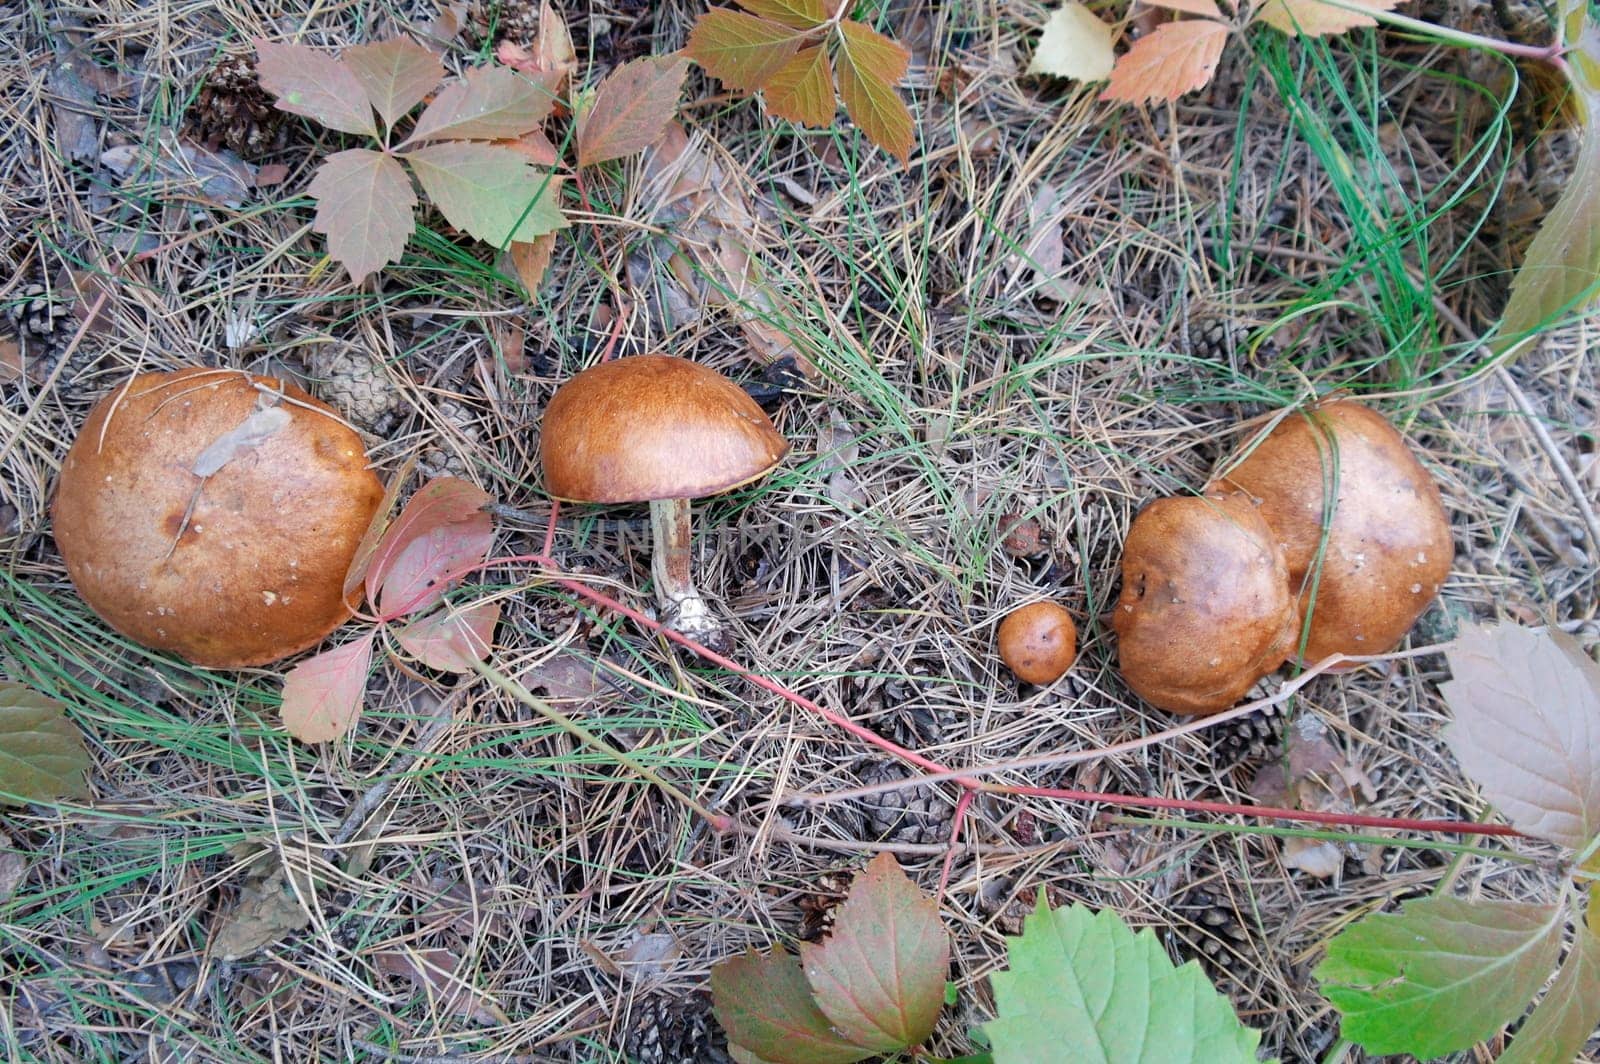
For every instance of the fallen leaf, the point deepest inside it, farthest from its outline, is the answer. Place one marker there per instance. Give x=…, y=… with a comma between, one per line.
x=451, y=639
x=838, y=450
x=488, y=103
x=1074, y=44
x=13, y=868
x=364, y=207
x=1527, y=728
x=218, y=176
x=802, y=89
x=870, y=65
x=41, y=753
x=1313, y=18
x=765, y=1005
x=567, y=677
x=1044, y=250
x=879, y=978
x=1313, y=775
x=535, y=147
x=1178, y=57
x=396, y=73
x=72, y=101
x=631, y=108
x=361, y=560
x=271, y=174
x=531, y=260
x=322, y=695
x=261, y=424
x=552, y=45
x=442, y=530
x=11, y=364
x=1569, y=1011
x=437, y=974
x=489, y=191
x=266, y=911
x=312, y=83
x=741, y=50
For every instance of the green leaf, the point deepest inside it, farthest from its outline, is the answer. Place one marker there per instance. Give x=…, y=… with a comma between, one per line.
x=802, y=89
x=397, y=74
x=765, y=1005
x=631, y=108
x=41, y=753
x=1527, y=727
x=1440, y=975
x=870, y=65
x=489, y=103
x=1082, y=986
x=879, y=978
x=740, y=50
x=364, y=207
x=489, y=191
x=313, y=83
x=1566, y=1017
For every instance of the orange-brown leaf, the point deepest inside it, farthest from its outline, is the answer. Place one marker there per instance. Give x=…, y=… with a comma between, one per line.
x=802, y=89
x=364, y=205
x=870, y=65
x=1313, y=18
x=741, y=50
x=802, y=14
x=1178, y=57
x=631, y=108
x=397, y=74
x=531, y=258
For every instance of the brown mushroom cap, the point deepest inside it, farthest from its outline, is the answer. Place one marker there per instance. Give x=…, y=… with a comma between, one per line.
x=653, y=427
x=254, y=571
x=1038, y=642
x=1388, y=543
x=1205, y=609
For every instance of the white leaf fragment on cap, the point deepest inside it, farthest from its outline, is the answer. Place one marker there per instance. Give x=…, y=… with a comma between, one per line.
x=247, y=435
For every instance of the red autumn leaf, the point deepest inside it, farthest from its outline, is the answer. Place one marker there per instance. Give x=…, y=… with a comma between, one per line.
x=314, y=84
x=1178, y=57
x=631, y=108
x=764, y=1004
x=322, y=695
x=362, y=558
x=451, y=639
x=364, y=204
x=741, y=50
x=879, y=978
x=802, y=89
x=442, y=529
x=396, y=73
x=870, y=65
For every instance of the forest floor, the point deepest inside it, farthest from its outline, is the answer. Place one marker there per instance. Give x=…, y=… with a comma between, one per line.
x=1058, y=310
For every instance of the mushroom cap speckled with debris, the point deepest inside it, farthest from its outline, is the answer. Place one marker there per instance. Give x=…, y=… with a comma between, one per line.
x=1038, y=642
x=213, y=513
x=653, y=427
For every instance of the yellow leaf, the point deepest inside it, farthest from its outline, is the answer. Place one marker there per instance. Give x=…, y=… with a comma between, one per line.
x=1316, y=18
x=802, y=89
x=1178, y=57
x=1074, y=44
x=869, y=66
x=741, y=50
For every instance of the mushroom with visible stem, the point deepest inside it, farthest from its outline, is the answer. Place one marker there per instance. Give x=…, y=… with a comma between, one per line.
x=662, y=430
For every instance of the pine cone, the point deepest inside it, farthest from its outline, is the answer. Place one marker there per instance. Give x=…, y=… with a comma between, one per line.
x=516, y=21
x=1210, y=931
x=819, y=908
x=1256, y=737
x=233, y=111
x=1227, y=340
x=911, y=814
x=668, y=1030
x=37, y=313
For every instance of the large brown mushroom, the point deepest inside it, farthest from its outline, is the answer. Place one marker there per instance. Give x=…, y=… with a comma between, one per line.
x=213, y=514
x=662, y=430
x=1369, y=564
x=1205, y=609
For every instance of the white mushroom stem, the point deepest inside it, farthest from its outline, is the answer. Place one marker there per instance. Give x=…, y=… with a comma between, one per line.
x=682, y=607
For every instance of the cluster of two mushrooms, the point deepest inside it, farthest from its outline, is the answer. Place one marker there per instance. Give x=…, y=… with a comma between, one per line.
x=1326, y=537
x=214, y=513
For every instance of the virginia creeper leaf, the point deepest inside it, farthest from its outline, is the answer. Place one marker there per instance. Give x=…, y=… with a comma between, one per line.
x=535, y=147
x=1178, y=57
x=41, y=753
x=489, y=103
x=1440, y=975
x=1567, y=1015
x=552, y=46
x=397, y=74
x=1313, y=18
x=531, y=259
x=1527, y=728
x=322, y=695
x=740, y=50
x=313, y=83
x=442, y=530
x=802, y=89
x=1560, y=274
x=361, y=560
x=631, y=108
x=879, y=978
x=765, y=1005
x=451, y=639
x=1075, y=44
x=489, y=191
x=801, y=14
x=1083, y=984
x=870, y=65
x=364, y=205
